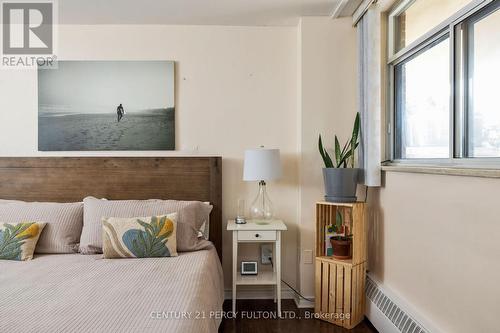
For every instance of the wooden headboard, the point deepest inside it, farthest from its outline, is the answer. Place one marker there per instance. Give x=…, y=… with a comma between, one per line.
x=70, y=179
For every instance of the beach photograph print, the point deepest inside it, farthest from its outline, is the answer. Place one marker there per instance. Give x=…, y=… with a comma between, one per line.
x=106, y=105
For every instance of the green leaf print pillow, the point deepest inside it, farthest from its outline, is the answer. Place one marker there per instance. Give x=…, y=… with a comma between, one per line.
x=18, y=241
x=140, y=237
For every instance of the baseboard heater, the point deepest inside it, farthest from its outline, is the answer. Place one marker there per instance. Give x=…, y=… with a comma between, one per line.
x=385, y=314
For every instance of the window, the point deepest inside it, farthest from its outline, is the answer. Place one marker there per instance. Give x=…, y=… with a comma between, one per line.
x=421, y=16
x=445, y=72
x=483, y=90
x=423, y=103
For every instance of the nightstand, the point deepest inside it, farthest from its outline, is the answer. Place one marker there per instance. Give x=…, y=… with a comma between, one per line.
x=252, y=232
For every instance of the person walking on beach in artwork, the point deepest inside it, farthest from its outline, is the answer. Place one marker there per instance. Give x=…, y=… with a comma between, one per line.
x=120, y=112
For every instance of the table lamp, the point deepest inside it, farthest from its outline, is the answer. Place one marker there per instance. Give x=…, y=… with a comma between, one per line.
x=262, y=165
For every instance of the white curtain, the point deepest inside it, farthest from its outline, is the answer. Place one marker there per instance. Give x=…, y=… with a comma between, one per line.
x=370, y=95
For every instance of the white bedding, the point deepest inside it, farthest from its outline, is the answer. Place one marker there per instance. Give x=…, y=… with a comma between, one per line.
x=84, y=293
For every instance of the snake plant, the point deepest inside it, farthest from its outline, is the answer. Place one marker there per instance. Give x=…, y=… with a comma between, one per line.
x=344, y=158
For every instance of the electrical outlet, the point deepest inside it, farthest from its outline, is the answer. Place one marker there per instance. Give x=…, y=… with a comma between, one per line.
x=308, y=257
x=266, y=252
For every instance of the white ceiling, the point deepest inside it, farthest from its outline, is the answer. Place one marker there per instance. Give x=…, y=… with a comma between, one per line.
x=193, y=12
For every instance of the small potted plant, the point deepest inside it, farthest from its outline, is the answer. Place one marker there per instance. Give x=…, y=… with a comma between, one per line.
x=339, y=174
x=341, y=244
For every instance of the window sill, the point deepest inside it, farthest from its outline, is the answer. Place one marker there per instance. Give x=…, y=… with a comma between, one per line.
x=443, y=170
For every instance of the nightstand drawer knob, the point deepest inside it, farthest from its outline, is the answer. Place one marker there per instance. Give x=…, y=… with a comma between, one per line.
x=257, y=235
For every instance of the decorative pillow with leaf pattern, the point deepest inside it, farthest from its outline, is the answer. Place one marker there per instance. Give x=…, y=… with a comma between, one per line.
x=18, y=240
x=140, y=237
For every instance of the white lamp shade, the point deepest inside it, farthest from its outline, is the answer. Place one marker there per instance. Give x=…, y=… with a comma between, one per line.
x=262, y=164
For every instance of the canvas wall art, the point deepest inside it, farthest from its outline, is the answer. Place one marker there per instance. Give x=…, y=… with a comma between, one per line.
x=106, y=105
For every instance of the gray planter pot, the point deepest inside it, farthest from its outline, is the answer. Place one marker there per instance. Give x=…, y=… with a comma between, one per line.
x=340, y=184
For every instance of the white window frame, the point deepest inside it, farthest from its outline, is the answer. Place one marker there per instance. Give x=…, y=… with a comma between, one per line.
x=447, y=27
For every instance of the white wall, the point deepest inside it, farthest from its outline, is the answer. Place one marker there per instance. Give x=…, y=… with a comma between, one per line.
x=434, y=241
x=328, y=94
x=236, y=89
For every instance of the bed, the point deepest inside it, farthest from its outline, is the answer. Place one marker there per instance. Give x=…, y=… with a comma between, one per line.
x=85, y=293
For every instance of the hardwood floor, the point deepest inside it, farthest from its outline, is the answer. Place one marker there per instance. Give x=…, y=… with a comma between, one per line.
x=251, y=323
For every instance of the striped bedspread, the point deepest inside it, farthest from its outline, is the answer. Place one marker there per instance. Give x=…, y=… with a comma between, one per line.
x=84, y=293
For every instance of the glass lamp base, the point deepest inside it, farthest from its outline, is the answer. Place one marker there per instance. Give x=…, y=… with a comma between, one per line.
x=261, y=211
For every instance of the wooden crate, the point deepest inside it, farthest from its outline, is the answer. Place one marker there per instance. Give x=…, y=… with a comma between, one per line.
x=340, y=284
x=340, y=291
x=354, y=217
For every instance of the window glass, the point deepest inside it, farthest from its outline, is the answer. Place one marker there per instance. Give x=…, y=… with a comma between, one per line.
x=484, y=78
x=422, y=101
x=421, y=16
